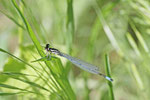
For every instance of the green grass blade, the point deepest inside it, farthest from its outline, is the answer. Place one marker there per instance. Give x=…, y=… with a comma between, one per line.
x=16, y=74
x=13, y=19
x=9, y=86
x=70, y=19
x=133, y=44
x=70, y=31
x=7, y=94
x=37, y=24
x=15, y=88
x=107, y=68
x=93, y=38
x=29, y=29
x=106, y=28
x=40, y=59
x=31, y=83
x=70, y=16
x=140, y=38
x=49, y=79
x=69, y=25
x=1, y=50
x=45, y=59
x=137, y=76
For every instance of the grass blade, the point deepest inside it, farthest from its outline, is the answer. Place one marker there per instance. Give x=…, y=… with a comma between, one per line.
x=29, y=29
x=140, y=38
x=107, y=68
x=106, y=28
x=7, y=94
x=13, y=19
x=133, y=44
x=137, y=76
x=9, y=86
x=16, y=88
x=70, y=31
x=16, y=74
x=31, y=83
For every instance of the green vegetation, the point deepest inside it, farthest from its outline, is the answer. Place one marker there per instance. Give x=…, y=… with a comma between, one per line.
x=86, y=29
x=108, y=74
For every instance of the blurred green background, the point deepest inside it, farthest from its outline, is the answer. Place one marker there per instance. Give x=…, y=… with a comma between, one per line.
x=86, y=29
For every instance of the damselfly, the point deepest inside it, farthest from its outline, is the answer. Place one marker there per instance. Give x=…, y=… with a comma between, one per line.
x=82, y=64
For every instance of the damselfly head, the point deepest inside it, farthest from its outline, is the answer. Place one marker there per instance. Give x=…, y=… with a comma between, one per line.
x=47, y=46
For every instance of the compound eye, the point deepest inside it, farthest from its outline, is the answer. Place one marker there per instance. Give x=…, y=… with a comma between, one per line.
x=47, y=46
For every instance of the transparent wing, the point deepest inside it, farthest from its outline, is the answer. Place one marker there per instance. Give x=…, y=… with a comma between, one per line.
x=84, y=65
